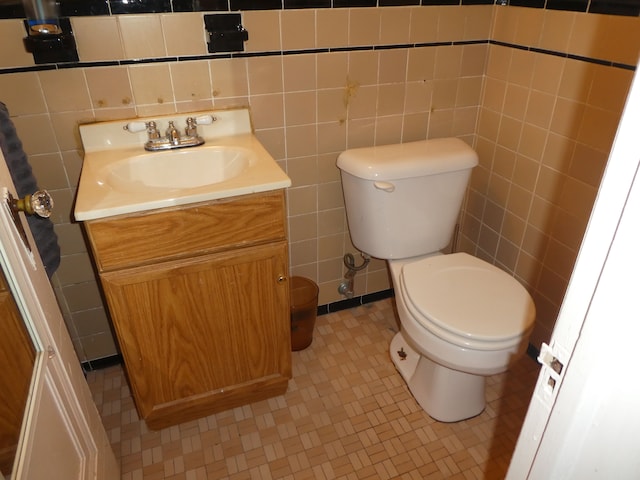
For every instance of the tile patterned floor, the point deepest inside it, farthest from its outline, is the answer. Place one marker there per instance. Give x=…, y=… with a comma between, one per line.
x=346, y=415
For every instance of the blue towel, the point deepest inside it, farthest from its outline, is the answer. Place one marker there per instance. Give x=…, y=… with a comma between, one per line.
x=25, y=183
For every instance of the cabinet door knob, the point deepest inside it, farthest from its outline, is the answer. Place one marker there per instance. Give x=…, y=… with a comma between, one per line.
x=282, y=278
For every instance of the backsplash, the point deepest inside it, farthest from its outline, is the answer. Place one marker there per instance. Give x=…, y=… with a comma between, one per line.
x=322, y=80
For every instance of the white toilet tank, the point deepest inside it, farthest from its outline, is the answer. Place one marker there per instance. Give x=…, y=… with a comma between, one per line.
x=403, y=200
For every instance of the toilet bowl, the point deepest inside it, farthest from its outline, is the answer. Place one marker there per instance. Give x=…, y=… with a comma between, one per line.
x=461, y=318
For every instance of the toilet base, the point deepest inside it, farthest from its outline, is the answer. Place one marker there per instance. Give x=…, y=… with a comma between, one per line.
x=446, y=395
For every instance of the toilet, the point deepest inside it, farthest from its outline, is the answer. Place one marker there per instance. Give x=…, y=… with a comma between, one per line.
x=462, y=319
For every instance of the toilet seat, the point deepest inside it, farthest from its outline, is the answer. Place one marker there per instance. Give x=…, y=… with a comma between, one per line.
x=466, y=301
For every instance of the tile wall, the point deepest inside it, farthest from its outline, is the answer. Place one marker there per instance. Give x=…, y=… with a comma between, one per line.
x=545, y=129
x=322, y=80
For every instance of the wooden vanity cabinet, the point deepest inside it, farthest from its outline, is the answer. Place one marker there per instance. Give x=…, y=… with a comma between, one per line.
x=199, y=299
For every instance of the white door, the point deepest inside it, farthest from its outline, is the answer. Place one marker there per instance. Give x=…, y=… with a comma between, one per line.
x=62, y=436
x=583, y=421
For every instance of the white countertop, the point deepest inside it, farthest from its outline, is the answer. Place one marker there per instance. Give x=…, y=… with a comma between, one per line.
x=106, y=143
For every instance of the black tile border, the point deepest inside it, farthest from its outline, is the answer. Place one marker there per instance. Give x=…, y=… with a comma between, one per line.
x=14, y=8
x=101, y=363
x=596, y=61
x=216, y=56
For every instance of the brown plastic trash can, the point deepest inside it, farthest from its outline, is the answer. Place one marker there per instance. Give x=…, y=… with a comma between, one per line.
x=304, y=309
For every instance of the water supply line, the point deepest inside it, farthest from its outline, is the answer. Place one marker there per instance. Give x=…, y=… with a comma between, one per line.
x=346, y=286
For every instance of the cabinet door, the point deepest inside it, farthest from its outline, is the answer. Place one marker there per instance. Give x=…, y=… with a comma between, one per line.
x=204, y=334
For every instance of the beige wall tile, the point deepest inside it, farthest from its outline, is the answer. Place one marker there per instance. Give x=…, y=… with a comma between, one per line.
x=418, y=97
x=332, y=221
x=364, y=26
x=264, y=30
x=301, y=200
x=49, y=171
x=301, y=140
x=332, y=69
x=621, y=40
x=267, y=111
x=71, y=241
x=424, y=24
x=303, y=227
x=547, y=73
x=298, y=29
x=13, y=53
x=36, y=134
x=83, y=296
x=521, y=68
x=90, y=34
x=394, y=23
x=587, y=164
x=303, y=171
x=609, y=88
x=332, y=137
x=505, y=24
x=360, y=133
x=191, y=81
x=540, y=108
x=65, y=90
x=363, y=67
x=22, y=93
x=598, y=128
x=391, y=99
x=98, y=346
x=331, y=105
x=478, y=21
x=469, y=91
x=474, y=60
x=332, y=27
x=362, y=101
x=229, y=77
x=556, y=30
x=72, y=160
x=300, y=108
x=184, y=34
x=414, y=127
x=304, y=252
x=530, y=23
x=448, y=62
x=151, y=84
x=65, y=127
x=91, y=322
x=392, y=66
x=299, y=72
x=388, y=130
x=142, y=36
x=451, y=23
x=109, y=87
x=265, y=75
x=327, y=169
x=331, y=246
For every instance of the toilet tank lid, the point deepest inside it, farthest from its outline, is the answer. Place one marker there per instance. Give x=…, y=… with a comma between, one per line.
x=405, y=160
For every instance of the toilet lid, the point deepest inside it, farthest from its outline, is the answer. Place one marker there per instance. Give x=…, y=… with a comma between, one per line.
x=467, y=301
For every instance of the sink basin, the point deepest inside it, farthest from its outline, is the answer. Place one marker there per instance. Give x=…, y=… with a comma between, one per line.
x=178, y=169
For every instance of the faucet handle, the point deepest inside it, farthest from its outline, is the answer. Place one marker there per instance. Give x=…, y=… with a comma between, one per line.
x=150, y=127
x=204, y=120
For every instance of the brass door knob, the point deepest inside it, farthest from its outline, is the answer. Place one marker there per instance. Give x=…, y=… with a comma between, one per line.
x=38, y=203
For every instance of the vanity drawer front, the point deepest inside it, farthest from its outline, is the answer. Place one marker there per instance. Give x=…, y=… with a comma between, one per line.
x=168, y=234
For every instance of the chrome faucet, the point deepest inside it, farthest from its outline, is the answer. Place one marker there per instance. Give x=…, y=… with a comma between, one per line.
x=172, y=137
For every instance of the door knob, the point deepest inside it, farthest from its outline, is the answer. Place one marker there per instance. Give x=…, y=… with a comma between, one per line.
x=38, y=203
